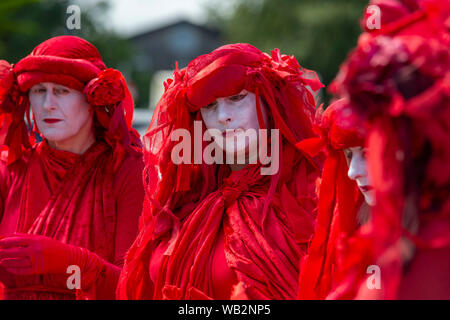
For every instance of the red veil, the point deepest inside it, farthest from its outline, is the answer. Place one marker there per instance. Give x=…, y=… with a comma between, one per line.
x=267, y=219
x=400, y=84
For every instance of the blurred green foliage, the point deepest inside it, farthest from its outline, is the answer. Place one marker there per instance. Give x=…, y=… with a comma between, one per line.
x=319, y=33
x=26, y=23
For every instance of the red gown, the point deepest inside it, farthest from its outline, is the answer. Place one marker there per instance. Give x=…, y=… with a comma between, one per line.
x=76, y=199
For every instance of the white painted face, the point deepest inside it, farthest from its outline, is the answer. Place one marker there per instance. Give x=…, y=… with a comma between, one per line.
x=357, y=170
x=60, y=112
x=235, y=117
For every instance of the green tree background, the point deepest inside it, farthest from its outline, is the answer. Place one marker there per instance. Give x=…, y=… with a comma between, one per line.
x=26, y=23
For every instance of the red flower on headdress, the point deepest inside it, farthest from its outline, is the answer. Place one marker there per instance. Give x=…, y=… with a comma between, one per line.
x=382, y=72
x=369, y=77
x=106, y=89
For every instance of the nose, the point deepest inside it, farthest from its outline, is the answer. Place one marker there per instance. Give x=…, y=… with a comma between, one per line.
x=49, y=101
x=357, y=168
x=224, y=114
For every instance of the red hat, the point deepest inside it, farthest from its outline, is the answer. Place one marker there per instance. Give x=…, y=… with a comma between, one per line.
x=75, y=63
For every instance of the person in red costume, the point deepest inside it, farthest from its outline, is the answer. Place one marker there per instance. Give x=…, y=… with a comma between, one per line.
x=227, y=231
x=344, y=197
x=398, y=81
x=73, y=199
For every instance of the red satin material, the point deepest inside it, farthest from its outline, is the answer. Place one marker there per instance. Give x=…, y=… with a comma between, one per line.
x=266, y=221
x=75, y=199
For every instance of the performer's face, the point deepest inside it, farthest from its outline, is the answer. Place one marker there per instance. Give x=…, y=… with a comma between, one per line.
x=233, y=116
x=61, y=113
x=357, y=170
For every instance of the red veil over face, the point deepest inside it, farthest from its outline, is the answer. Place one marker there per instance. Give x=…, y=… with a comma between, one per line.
x=400, y=84
x=186, y=204
x=338, y=128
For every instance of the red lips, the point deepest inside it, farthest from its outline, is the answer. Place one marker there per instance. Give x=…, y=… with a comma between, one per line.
x=51, y=120
x=366, y=188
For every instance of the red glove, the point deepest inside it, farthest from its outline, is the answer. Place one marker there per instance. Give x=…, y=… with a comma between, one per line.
x=23, y=254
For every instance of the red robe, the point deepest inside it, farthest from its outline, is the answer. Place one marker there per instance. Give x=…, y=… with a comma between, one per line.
x=76, y=199
x=226, y=248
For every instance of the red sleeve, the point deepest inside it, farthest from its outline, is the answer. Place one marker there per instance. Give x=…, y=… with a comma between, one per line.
x=129, y=190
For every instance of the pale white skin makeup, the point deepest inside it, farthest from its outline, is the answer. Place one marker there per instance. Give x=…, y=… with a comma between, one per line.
x=357, y=170
x=232, y=116
x=63, y=116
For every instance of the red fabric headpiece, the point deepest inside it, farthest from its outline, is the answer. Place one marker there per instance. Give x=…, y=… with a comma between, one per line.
x=277, y=79
x=75, y=63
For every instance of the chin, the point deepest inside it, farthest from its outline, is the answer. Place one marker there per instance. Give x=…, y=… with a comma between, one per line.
x=369, y=197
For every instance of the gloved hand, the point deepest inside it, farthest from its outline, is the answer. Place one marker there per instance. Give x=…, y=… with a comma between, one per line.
x=24, y=254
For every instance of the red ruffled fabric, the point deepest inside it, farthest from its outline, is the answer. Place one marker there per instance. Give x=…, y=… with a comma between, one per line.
x=266, y=221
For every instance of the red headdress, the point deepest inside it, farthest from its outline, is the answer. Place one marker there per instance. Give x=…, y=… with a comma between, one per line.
x=339, y=197
x=75, y=63
x=401, y=84
x=425, y=18
x=173, y=191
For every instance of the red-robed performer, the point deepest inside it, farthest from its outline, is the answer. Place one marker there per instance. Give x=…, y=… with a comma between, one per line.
x=345, y=196
x=221, y=231
x=73, y=199
x=398, y=80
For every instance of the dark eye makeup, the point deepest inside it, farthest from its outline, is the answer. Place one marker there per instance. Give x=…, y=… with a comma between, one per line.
x=211, y=105
x=237, y=97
